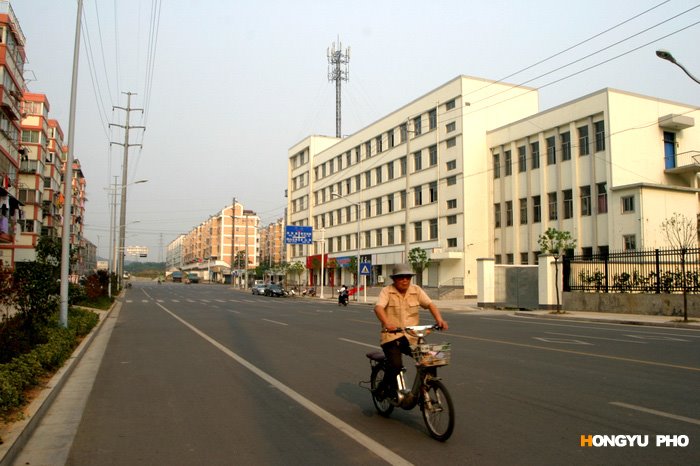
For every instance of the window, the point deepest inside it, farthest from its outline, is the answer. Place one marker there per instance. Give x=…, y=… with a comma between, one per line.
x=348, y=159
x=378, y=175
x=379, y=236
x=390, y=170
x=418, y=231
x=536, y=209
x=523, y=211
x=451, y=219
x=568, y=203
x=587, y=252
x=524, y=258
x=368, y=239
x=390, y=236
x=417, y=161
x=451, y=180
x=402, y=233
x=432, y=119
x=433, y=228
x=497, y=215
x=585, y=200
x=509, y=213
x=368, y=209
x=627, y=204
x=669, y=149
x=599, y=128
x=509, y=258
x=390, y=203
x=451, y=165
x=403, y=132
x=379, y=144
x=402, y=199
x=390, y=138
x=522, y=159
x=535, y=155
x=498, y=259
x=451, y=242
x=368, y=179
x=449, y=105
x=630, y=242
x=602, y=198
x=433, y=191
x=452, y=204
x=433, y=155
x=508, y=163
x=368, y=149
x=358, y=185
x=417, y=126
x=496, y=165
x=566, y=146
x=449, y=127
x=30, y=136
x=418, y=196
x=402, y=166
x=552, y=201
x=583, y=140
x=378, y=206
x=551, y=151
x=451, y=142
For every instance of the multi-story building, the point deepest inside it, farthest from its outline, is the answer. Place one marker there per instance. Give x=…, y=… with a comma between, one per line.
x=33, y=166
x=51, y=200
x=12, y=85
x=472, y=169
x=211, y=249
x=609, y=167
x=271, y=244
x=413, y=179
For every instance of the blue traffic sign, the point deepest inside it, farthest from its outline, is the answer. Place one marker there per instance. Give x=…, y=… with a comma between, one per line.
x=365, y=267
x=298, y=235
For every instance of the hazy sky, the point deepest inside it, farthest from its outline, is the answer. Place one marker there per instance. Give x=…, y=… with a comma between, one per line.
x=233, y=84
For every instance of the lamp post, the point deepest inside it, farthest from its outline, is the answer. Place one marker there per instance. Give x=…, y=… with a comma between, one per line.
x=666, y=55
x=357, y=206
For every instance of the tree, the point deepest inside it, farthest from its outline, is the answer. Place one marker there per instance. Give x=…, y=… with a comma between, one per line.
x=556, y=242
x=680, y=231
x=418, y=258
x=296, y=268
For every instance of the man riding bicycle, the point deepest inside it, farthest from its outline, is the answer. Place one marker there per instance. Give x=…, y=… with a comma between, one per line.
x=398, y=307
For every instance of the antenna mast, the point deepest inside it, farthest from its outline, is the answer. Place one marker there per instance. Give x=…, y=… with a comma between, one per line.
x=338, y=70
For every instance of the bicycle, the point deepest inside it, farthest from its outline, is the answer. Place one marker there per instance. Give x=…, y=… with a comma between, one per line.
x=427, y=391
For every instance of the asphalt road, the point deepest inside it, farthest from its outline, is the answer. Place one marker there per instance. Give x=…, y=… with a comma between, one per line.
x=202, y=374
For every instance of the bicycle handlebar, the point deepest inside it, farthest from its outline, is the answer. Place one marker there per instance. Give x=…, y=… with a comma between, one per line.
x=414, y=328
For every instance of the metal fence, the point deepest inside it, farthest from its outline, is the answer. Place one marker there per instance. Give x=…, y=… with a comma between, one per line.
x=642, y=271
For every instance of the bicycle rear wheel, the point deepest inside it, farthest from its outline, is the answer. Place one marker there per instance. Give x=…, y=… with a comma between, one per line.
x=438, y=412
x=383, y=404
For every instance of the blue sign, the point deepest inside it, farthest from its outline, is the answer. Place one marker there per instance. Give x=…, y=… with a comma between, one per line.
x=298, y=235
x=365, y=267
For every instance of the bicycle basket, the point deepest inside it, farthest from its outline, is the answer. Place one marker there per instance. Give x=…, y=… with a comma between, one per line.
x=432, y=354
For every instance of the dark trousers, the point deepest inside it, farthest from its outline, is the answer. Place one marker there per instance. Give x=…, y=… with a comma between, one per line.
x=393, y=351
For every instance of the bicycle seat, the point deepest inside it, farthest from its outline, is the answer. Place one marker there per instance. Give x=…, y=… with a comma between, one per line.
x=376, y=355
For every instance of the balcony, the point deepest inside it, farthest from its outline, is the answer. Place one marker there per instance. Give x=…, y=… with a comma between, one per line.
x=683, y=162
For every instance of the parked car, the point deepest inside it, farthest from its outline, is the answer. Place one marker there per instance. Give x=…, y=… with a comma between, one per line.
x=177, y=276
x=192, y=278
x=275, y=290
x=259, y=289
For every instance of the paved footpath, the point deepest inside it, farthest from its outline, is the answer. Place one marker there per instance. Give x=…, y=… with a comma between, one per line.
x=56, y=418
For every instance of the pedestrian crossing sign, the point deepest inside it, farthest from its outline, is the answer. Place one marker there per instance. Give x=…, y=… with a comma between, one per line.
x=365, y=267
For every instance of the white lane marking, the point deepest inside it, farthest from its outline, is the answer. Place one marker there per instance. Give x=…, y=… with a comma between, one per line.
x=657, y=337
x=367, y=442
x=595, y=338
x=689, y=420
x=566, y=341
x=191, y=301
x=220, y=300
x=360, y=343
x=235, y=312
x=175, y=300
x=276, y=322
x=204, y=300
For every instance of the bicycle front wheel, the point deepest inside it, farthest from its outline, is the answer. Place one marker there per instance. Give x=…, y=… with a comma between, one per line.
x=381, y=402
x=438, y=412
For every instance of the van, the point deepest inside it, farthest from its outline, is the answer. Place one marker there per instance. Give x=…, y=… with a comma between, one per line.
x=177, y=276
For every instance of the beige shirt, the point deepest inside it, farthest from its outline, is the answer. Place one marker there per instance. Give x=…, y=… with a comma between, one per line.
x=402, y=310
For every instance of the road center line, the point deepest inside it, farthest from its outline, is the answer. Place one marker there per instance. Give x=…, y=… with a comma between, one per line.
x=594, y=338
x=360, y=343
x=276, y=322
x=367, y=442
x=580, y=353
x=656, y=413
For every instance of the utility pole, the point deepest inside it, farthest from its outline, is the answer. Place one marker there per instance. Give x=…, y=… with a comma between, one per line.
x=68, y=179
x=233, y=236
x=337, y=72
x=122, y=209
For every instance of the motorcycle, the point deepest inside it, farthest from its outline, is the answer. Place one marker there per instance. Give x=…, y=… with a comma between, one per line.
x=343, y=297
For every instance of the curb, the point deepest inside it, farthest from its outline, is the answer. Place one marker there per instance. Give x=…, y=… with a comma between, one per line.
x=17, y=435
x=609, y=321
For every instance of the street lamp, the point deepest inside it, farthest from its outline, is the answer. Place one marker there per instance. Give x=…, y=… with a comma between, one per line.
x=357, y=206
x=666, y=55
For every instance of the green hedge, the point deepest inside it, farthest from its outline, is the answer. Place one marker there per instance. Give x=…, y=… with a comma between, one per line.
x=24, y=371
